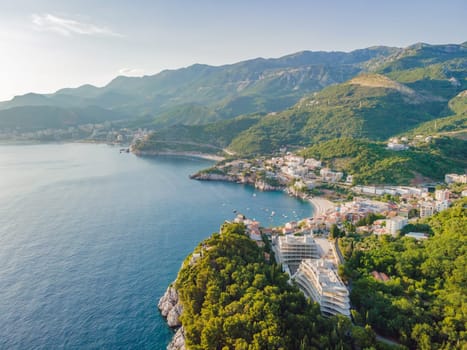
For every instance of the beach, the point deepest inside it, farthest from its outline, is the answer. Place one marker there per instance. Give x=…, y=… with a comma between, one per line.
x=321, y=206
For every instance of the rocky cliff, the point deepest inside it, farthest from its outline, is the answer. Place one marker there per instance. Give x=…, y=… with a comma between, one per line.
x=170, y=307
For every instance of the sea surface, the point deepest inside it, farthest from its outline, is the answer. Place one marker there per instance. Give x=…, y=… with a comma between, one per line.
x=91, y=238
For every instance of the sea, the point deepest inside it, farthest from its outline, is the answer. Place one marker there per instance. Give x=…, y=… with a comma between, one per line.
x=90, y=238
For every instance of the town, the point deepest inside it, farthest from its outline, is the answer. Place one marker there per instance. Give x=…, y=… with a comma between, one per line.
x=307, y=249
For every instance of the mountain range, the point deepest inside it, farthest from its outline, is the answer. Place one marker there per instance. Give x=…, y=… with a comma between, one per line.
x=259, y=105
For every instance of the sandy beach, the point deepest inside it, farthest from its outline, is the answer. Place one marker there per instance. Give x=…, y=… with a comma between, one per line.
x=321, y=206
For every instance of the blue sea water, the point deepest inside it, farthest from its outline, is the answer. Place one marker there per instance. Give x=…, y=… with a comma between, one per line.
x=90, y=239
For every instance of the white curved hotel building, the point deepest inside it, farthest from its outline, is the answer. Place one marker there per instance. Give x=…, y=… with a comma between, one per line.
x=319, y=281
x=293, y=249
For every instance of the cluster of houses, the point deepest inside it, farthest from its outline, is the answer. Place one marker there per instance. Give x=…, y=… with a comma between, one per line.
x=282, y=171
x=403, y=143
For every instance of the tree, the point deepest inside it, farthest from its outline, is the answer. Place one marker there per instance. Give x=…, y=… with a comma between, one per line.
x=335, y=232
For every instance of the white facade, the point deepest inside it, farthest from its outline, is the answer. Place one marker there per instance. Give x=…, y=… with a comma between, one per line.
x=396, y=146
x=453, y=178
x=313, y=163
x=329, y=175
x=293, y=249
x=442, y=195
x=319, y=281
x=426, y=209
x=395, y=224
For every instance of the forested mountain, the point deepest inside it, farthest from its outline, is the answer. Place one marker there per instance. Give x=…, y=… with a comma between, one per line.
x=296, y=100
x=400, y=92
x=202, y=93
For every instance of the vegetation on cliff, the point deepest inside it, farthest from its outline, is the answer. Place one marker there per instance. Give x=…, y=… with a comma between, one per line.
x=234, y=298
x=424, y=303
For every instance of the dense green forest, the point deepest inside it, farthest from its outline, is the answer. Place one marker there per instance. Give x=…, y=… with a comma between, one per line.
x=371, y=163
x=424, y=304
x=234, y=298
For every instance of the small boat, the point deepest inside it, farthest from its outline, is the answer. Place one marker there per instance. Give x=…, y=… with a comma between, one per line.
x=273, y=213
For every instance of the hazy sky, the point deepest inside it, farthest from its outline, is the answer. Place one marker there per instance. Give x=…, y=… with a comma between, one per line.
x=49, y=44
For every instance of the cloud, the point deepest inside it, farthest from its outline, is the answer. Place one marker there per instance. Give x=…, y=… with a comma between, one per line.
x=131, y=71
x=68, y=27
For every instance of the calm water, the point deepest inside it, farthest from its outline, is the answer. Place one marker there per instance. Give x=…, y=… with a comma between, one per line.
x=90, y=239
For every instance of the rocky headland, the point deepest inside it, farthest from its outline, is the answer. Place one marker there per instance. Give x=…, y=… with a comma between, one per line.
x=170, y=308
x=249, y=180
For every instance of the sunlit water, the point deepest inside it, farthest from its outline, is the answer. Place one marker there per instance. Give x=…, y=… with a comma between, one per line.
x=90, y=239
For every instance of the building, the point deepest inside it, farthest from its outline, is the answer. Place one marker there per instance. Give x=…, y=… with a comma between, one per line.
x=317, y=279
x=291, y=250
x=454, y=178
x=312, y=163
x=329, y=175
x=442, y=195
x=426, y=209
x=395, y=146
x=395, y=224
x=417, y=235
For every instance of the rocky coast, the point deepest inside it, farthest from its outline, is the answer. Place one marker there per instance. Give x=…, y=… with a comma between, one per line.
x=170, y=308
x=258, y=184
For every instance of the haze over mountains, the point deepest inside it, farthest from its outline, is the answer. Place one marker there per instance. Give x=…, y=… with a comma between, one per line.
x=260, y=104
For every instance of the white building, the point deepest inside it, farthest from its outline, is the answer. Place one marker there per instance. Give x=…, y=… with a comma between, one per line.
x=426, y=209
x=442, y=205
x=395, y=224
x=396, y=146
x=442, y=195
x=319, y=281
x=292, y=249
x=417, y=235
x=453, y=178
x=329, y=175
x=313, y=163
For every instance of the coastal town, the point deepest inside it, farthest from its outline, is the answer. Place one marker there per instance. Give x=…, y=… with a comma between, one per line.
x=106, y=132
x=307, y=249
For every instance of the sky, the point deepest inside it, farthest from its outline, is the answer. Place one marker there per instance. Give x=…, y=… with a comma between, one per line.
x=46, y=45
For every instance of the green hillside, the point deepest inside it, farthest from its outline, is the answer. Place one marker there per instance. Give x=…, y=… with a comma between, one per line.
x=303, y=98
x=423, y=304
x=455, y=124
x=369, y=106
x=200, y=93
x=207, y=138
x=438, y=70
x=371, y=163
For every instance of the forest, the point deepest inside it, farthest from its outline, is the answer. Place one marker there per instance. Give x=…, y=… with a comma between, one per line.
x=235, y=296
x=424, y=303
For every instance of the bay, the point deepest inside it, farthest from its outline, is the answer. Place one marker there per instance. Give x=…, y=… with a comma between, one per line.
x=91, y=238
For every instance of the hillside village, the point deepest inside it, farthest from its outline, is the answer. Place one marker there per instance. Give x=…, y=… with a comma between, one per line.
x=308, y=177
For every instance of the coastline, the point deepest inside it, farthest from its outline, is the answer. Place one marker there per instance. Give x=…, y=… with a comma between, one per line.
x=321, y=206
x=179, y=154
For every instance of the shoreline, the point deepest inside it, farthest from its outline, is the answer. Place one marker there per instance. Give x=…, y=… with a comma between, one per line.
x=179, y=154
x=321, y=206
